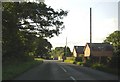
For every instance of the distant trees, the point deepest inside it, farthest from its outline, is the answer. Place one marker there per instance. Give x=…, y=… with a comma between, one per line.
x=25, y=26
x=60, y=52
x=67, y=51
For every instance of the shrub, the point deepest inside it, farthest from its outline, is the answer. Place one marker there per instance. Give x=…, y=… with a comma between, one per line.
x=80, y=63
x=78, y=59
x=98, y=66
x=74, y=62
x=88, y=63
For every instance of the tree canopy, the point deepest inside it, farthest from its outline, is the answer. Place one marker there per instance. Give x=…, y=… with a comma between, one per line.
x=33, y=18
x=67, y=51
x=114, y=39
x=61, y=51
x=58, y=51
x=25, y=25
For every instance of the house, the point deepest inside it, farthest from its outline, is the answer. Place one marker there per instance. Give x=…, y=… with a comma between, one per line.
x=98, y=50
x=78, y=51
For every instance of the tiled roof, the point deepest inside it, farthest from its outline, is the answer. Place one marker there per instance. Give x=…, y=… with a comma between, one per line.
x=79, y=49
x=100, y=46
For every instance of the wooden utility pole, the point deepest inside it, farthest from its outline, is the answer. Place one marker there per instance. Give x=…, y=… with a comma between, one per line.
x=90, y=25
x=66, y=46
x=65, y=51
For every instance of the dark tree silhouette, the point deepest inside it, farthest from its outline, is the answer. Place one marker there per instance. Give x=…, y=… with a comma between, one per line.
x=23, y=23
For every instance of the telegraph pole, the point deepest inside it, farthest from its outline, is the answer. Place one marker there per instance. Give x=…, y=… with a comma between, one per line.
x=66, y=46
x=65, y=51
x=91, y=31
x=90, y=25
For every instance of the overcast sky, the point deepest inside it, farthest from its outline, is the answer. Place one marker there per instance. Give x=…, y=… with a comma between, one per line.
x=77, y=23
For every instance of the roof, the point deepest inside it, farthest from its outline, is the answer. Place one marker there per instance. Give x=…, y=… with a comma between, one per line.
x=100, y=46
x=79, y=49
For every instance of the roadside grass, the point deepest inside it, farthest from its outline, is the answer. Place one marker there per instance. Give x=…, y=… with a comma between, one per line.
x=39, y=59
x=73, y=61
x=101, y=67
x=104, y=68
x=97, y=66
x=69, y=61
x=80, y=63
x=14, y=69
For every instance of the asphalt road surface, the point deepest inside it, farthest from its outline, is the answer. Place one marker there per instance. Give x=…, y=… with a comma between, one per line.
x=53, y=70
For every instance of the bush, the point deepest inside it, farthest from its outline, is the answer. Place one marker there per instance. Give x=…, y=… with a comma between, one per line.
x=70, y=58
x=98, y=66
x=104, y=68
x=88, y=63
x=80, y=63
x=74, y=62
x=78, y=59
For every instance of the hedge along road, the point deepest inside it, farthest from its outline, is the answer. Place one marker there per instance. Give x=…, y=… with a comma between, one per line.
x=53, y=70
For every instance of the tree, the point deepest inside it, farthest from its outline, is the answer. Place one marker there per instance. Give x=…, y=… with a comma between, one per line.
x=114, y=40
x=58, y=51
x=35, y=18
x=43, y=47
x=23, y=22
x=67, y=51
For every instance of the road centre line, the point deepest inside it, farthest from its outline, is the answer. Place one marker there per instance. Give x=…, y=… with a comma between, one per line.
x=72, y=78
x=63, y=69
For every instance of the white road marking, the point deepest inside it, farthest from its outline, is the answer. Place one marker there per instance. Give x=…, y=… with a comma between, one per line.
x=72, y=78
x=63, y=69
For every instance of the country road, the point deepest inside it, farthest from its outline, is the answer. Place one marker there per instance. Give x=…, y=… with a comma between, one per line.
x=53, y=70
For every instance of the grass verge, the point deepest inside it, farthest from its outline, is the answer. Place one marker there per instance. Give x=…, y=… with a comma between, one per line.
x=12, y=70
x=80, y=63
x=104, y=68
x=69, y=61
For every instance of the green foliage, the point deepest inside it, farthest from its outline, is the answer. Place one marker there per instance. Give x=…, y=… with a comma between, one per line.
x=88, y=63
x=69, y=61
x=67, y=51
x=10, y=71
x=28, y=16
x=114, y=39
x=43, y=46
x=58, y=51
x=107, y=64
x=98, y=66
x=78, y=59
x=80, y=63
x=104, y=68
x=61, y=52
x=39, y=59
x=25, y=26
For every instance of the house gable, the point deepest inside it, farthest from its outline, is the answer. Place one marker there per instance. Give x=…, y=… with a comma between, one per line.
x=87, y=51
x=78, y=50
x=74, y=53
